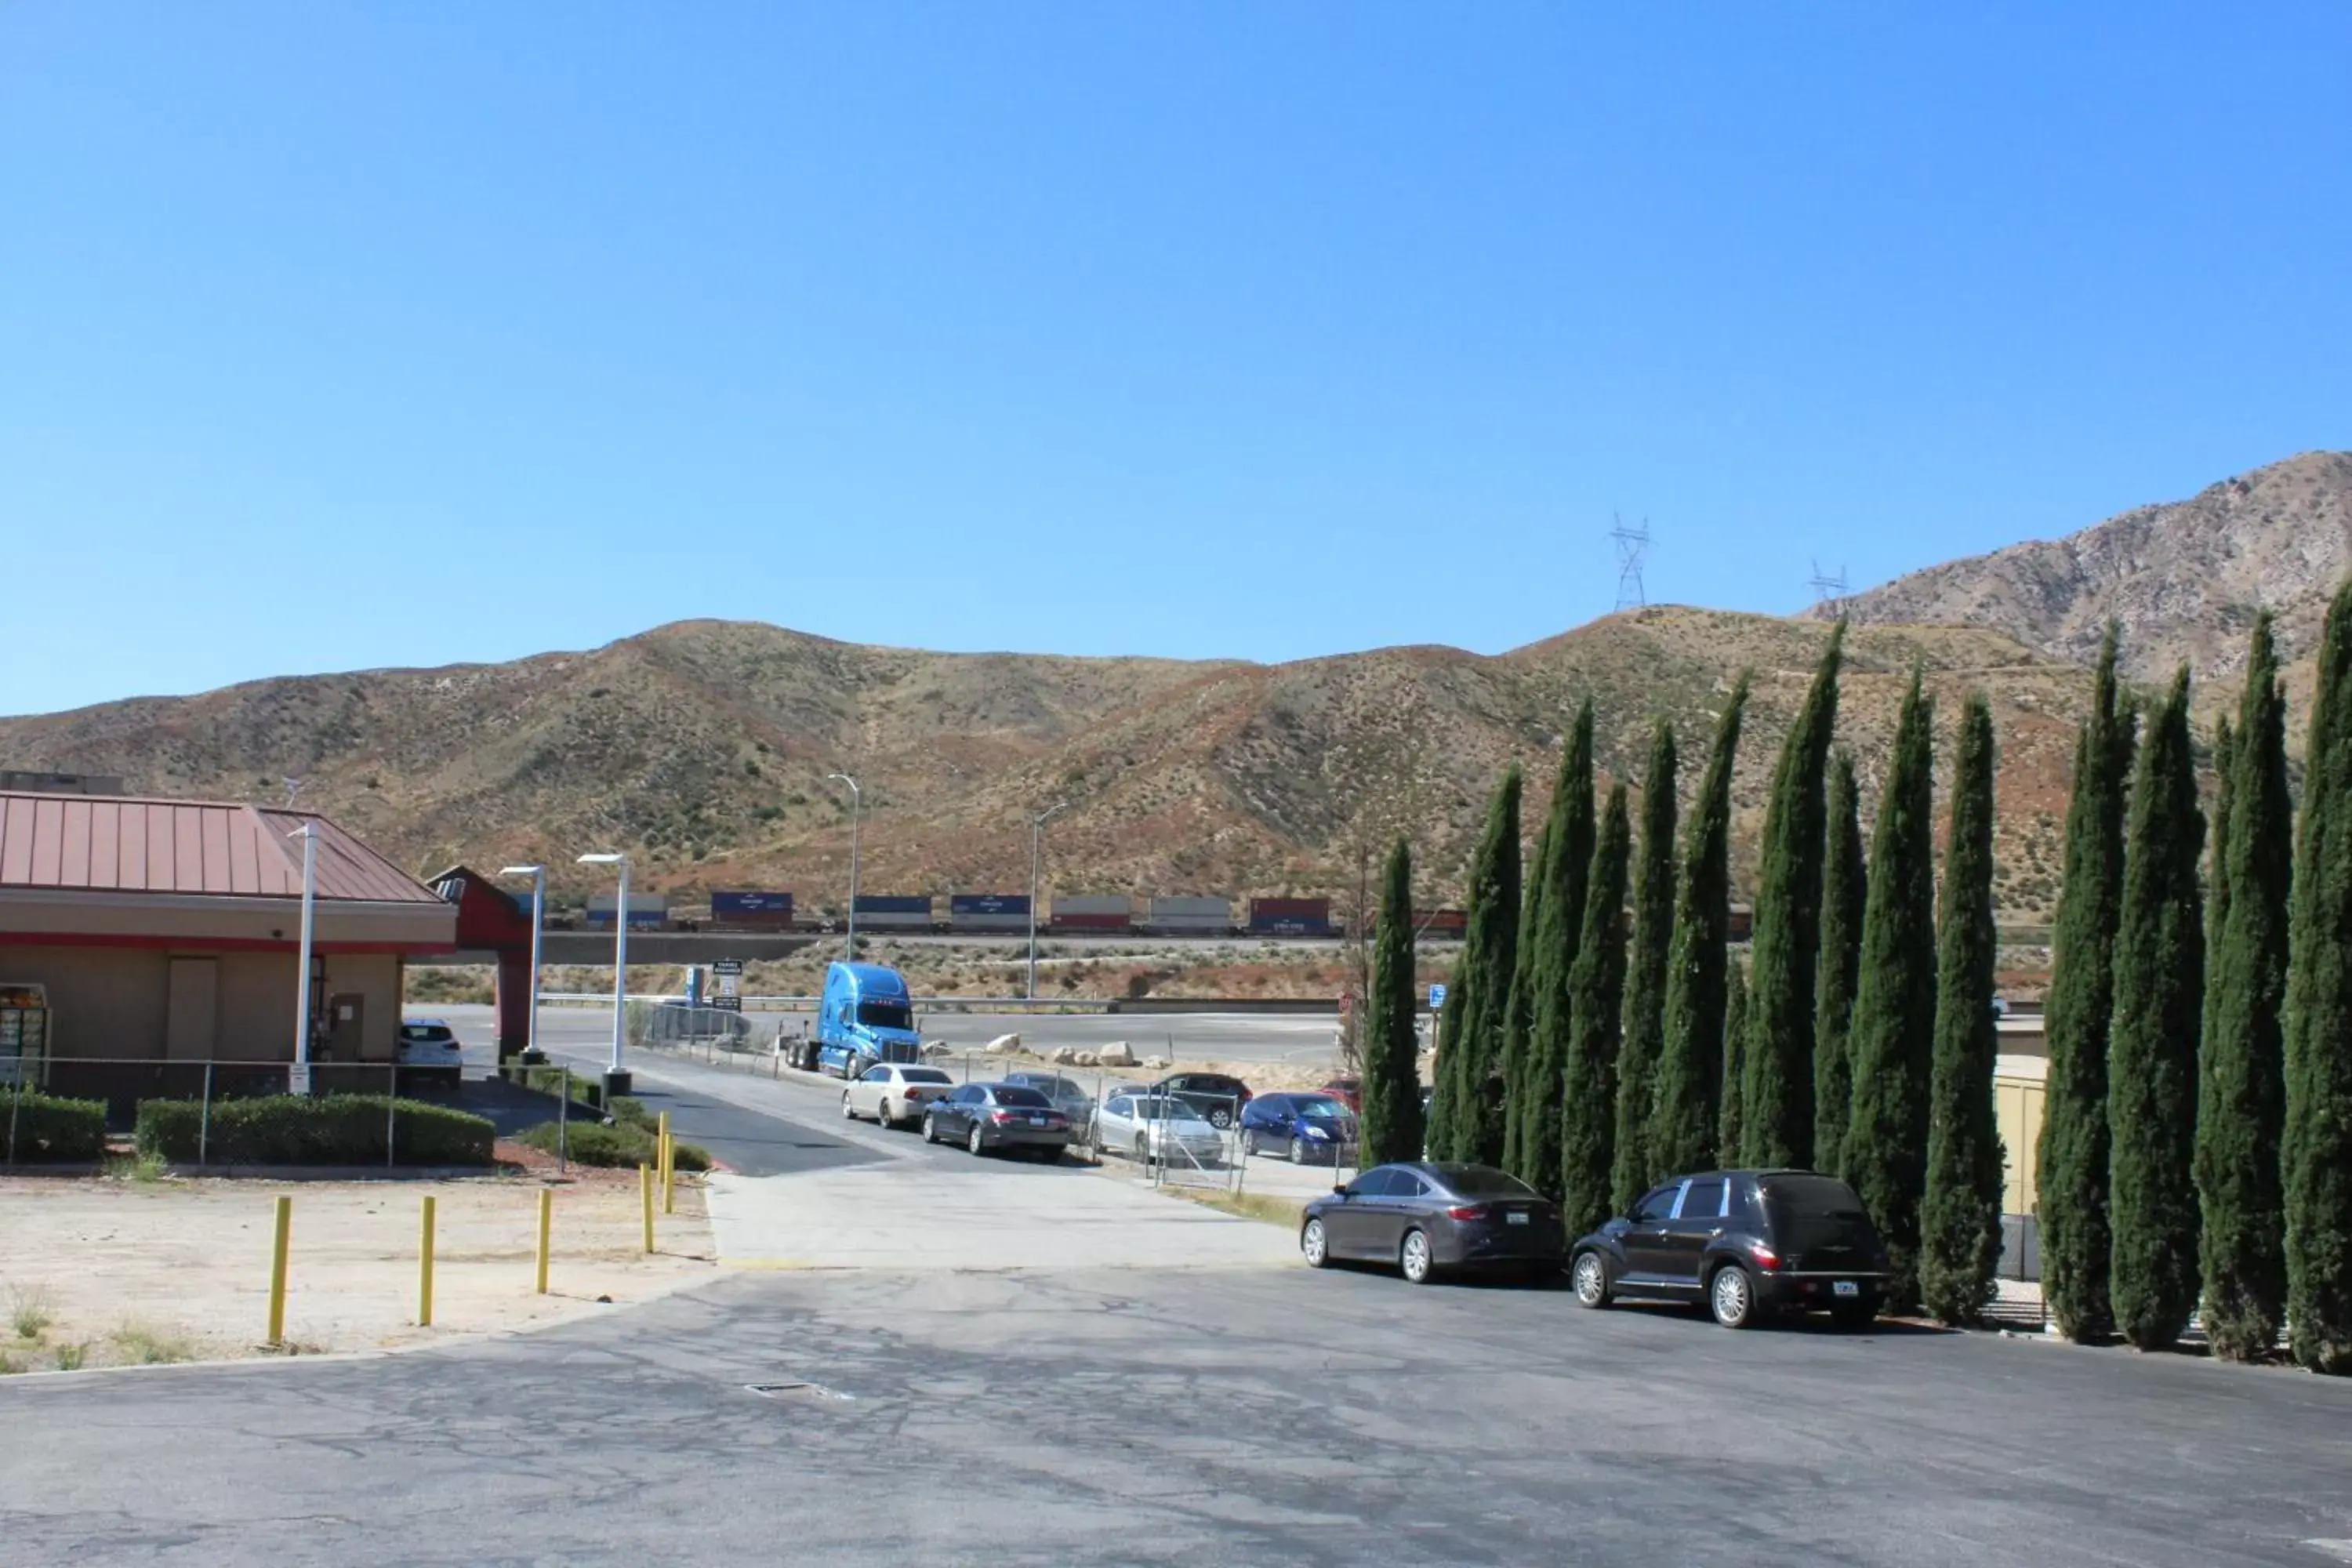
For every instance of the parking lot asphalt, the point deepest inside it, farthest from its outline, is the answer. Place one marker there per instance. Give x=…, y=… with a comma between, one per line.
x=1200, y=1417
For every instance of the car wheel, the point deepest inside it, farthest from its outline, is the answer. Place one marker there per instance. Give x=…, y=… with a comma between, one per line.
x=846, y=1113
x=930, y=1130
x=882, y=1115
x=1415, y=1259
x=1220, y=1118
x=1298, y=1150
x=1249, y=1140
x=1731, y=1297
x=1312, y=1245
x=972, y=1140
x=1591, y=1277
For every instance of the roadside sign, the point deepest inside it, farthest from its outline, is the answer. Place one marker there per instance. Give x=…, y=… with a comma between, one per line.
x=298, y=1078
x=1436, y=997
x=727, y=1002
x=727, y=967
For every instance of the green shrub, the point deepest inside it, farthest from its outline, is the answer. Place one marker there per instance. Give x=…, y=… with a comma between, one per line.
x=585, y=1089
x=292, y=1130
x=49, y=1129
x=627, y=1144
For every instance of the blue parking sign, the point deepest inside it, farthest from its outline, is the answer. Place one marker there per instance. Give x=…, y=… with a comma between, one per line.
x=1436, y=997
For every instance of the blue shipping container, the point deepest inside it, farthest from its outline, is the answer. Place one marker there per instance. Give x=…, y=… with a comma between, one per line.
x=750, y=903
x=988, y=904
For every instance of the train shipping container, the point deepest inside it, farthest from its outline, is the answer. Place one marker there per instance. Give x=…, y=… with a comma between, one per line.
x=1189, y=915
x=1094, y=913
x=894, y=912
x=644, y=908
x=1290, y=917
x=988, y=911
x=767, y=910
x=1439, y=924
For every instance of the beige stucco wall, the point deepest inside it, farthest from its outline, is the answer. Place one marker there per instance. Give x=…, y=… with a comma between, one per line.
x=115, y=1002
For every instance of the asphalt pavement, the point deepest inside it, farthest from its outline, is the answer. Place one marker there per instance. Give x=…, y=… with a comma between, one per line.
x=1185, y=1416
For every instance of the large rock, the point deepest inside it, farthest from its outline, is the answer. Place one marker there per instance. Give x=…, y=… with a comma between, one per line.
x=1004, y=1045
x=1157, y=1064
x=1118, y=1054
x=1064, y=1056
x=938, y=1048
x=1086, y=1059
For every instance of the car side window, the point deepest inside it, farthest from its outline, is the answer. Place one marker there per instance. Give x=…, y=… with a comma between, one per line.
x=967, y=1095
x=1120, y=1105
x=1702, y=1199
x=1748, y=1204
x=878, y=1074
x=1659, y=1206
x=1373, y=1185
x=1405, y=1185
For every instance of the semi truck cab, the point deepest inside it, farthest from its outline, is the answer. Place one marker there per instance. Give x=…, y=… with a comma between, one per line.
x=866, y=1017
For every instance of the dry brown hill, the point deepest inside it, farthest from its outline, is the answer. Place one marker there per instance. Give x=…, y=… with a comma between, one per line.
x=703, y=748
x=2184, y=578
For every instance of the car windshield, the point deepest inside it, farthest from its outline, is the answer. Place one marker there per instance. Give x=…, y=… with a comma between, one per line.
x=885, y=1015
x=1483, y=1181
x=1320, y=1107
x=1016, y=1094
x=924, y=1074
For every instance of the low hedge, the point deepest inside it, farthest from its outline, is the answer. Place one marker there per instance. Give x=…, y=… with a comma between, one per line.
x=49, y=1129
x=595, y=1143
x=332, y=1130
x=586, y=1089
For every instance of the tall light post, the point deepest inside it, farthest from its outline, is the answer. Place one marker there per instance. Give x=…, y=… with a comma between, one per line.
x=298, y=1078
x=856, y=811
x=1036, y=841
x=616, y=1081
x=538, y=875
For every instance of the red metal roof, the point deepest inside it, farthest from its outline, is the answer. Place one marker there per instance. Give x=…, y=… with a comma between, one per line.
x=101, y=844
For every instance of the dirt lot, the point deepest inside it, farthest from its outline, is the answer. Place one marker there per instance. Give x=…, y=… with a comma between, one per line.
x=95, y=1271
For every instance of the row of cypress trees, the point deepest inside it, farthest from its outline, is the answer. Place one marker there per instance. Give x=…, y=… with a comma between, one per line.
x=1592, y=1061
x=2197, y=1139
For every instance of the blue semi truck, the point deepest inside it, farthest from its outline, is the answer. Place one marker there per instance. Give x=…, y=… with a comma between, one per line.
x=866, y=1017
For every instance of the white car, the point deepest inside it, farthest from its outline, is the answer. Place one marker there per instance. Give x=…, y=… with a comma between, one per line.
x=430, y=1052
x=1156, y=1127
x=894, y=1093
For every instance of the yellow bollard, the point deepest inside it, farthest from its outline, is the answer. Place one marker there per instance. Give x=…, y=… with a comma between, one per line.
x=668, y=1168
x=277, y=1271
x=546, y=1227
x=424, y=1262
x=645, y=1190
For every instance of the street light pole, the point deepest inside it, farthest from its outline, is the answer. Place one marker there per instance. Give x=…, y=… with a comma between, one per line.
x=1036, y=840
x=298, y=1081
x=538, y=875
x=617, y=1080
x=856, y=811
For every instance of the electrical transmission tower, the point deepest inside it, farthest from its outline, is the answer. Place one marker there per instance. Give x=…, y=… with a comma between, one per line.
x=1633, y=543
x=1828, y=592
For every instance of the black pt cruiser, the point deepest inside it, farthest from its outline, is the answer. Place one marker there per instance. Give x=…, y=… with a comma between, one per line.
x=1748, y=1243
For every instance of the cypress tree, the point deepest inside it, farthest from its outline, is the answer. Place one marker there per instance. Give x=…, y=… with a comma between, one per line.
x=2152, y=1051
x=1959, y=1218
x=2241, y=1082
x=2072, y=1208
x=1690, y=1065
x=1518, y=1013
x=1890, y=1038
x=1777, y=1102
x=1466, y=1113
x=1738, y=1007
x=2217, y=877
x=1548, y=949
x=1596, y=987
x=1646, y=978
x=1388, y=1127
x=1844, y=895
x=2317, y=1152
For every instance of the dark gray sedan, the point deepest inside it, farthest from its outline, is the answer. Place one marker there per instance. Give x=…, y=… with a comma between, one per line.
x=1003, y=1117
x=1428, y=1217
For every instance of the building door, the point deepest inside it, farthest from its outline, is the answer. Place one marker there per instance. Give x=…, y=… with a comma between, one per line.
x=191, y=1014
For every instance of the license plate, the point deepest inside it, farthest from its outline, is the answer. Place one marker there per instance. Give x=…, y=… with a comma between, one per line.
x=1036, y=1121
x=1515, y=1217
x=1845, y=1287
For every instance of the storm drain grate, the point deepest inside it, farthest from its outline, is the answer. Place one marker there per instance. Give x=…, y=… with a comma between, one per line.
x=817, y=1391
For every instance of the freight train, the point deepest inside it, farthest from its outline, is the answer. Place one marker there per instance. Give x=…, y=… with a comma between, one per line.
x=1077, y=915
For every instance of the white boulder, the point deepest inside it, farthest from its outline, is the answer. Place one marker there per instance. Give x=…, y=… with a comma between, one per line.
x=1004, y=1045
x=1118, y=1054
x=1086, y=1059
x=938, y=1048
x=1157, y=1064
x=1065, y=1056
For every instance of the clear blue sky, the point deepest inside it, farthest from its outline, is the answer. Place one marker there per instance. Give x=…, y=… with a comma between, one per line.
x=336, y=336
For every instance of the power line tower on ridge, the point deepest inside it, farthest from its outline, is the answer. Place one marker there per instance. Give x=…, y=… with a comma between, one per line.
x=1633, y=543
x=1828, y=592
